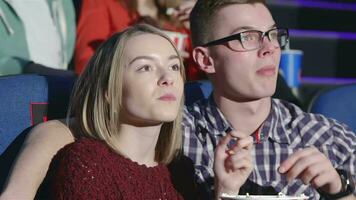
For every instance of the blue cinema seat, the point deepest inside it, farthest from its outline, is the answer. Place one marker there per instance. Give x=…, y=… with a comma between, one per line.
x=26, y=100
x=23, y=103
x=338, y=103
x=195, y=90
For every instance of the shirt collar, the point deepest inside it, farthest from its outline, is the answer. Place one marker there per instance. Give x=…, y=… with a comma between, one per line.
x=270, y=129
x=273, y=128
x=216, y=117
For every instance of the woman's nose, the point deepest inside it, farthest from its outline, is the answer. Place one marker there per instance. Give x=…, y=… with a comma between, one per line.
x=166, y=79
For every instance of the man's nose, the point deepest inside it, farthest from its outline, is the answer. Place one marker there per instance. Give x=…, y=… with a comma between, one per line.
x=267, y=46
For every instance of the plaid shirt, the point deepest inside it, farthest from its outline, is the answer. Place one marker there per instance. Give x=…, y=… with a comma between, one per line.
x=286, y=130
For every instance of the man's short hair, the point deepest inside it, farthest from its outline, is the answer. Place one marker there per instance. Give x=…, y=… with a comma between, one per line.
x=202, y=16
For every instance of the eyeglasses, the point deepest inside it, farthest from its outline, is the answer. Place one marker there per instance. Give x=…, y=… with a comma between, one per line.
x=253, y=39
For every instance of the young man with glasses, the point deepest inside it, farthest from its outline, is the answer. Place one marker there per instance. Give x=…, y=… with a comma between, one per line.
x=238, y=44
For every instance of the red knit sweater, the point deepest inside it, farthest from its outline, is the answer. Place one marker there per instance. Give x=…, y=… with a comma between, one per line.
x=89, y=169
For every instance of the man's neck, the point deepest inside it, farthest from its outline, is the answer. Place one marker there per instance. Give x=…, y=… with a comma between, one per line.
x=245, y=117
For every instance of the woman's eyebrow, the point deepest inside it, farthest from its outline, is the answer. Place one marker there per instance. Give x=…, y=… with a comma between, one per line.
x=142, y=57
x=173, y=57
x=153, y=58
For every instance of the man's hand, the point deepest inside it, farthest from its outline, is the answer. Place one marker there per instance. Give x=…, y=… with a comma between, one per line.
x=232, y=166
x=312, y=167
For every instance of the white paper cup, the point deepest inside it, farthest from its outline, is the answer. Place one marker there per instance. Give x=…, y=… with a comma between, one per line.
x=177, y=38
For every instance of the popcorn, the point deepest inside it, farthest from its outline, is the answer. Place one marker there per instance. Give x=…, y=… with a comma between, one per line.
x=280, y=196
x=171, y=11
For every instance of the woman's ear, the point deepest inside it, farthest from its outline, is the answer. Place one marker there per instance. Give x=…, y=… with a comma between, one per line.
x=202, y=58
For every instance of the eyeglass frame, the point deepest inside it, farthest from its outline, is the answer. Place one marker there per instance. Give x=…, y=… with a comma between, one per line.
x=237, y=36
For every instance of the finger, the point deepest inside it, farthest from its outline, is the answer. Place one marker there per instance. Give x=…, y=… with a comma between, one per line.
x=302, y=164
x=220, y=154
x=328, y=181
x=243, y=143
x=246, y=142
x=321, y=180
x=233, y=139
x=222, y=145
x=228, y=166
x=225, y=140
x=243, y=163
x=239, y=160
x=310, y=173
x=220, y=164
x=241, y=154
x=291, y=160
x=237, y=134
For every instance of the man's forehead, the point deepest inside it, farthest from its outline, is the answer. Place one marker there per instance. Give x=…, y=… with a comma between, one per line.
x=239, y=17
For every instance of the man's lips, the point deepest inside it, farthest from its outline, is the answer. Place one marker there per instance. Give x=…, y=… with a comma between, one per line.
x=267, y=71
x=168, y=97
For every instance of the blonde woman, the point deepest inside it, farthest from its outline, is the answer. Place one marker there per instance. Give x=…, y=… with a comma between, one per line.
x=123, y=128
x=127, y=113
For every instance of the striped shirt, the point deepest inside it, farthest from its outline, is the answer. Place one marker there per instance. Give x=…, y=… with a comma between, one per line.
x=286, y=130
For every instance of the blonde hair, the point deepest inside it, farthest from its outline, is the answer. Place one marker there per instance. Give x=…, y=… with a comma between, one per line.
x=97, y=96
x=202, y=16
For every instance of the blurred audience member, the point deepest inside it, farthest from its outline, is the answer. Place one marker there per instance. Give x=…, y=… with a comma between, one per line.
x=98, y=20
x=40, y=32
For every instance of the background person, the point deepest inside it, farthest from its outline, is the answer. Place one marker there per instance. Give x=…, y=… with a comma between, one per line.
x=99, y=20
x=40, y=32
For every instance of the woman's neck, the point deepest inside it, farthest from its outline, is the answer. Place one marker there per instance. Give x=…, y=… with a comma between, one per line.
x=147, y=8
x=245, y=117
x=137, y=143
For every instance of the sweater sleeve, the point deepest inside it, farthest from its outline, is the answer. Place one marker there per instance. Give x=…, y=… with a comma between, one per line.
x=78, y=172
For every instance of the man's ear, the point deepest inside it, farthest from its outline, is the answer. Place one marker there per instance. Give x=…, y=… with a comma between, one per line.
x=202, y=58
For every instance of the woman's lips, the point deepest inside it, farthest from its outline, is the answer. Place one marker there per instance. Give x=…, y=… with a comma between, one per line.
x=267, y=71
x=168, y=97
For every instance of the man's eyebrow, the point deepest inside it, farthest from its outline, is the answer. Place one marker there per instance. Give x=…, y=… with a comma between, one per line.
x=242, y=28
x=246, y=28
x=273, y=26
x=153, y=58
